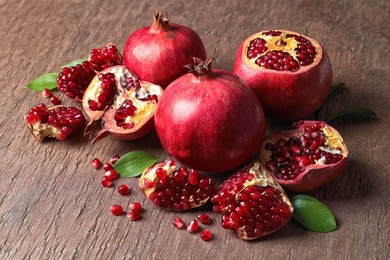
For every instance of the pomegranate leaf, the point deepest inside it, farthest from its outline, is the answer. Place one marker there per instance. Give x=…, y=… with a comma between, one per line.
x=45, y=81
x=134, y=163
x=356, y=111
x=73, y=63
x=336, y=87
x=313, y=214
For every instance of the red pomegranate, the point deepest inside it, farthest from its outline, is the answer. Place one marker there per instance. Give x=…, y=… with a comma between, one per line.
x=210, y=120
x=306, y=157
x=123, y=103
x=158, y=53
x=290, y=72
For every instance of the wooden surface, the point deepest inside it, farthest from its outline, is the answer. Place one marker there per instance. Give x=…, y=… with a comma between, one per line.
x=52, y=205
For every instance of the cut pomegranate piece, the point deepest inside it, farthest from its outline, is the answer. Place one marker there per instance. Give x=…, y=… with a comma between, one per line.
x=102, y=58
x=252, y=203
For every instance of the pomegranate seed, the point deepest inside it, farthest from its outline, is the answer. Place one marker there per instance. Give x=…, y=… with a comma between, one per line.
x=107, y=166
x=111, y=174
x=46, y=93
x=135, y=206
x=206, y=235
x=96, y=163
x=123, y=189
x=203, y=218
x=106, y=181
x=55, y=100
x=116, y=210
x=178, y=223
x=133, y=215
x=114, y=159
x=193, y=226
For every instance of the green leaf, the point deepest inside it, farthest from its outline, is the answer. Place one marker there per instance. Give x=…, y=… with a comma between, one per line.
x=45, y=81
x=73, y=63
x=312, y=214
x=357, y=111
x=336, y=87
x=134, y=163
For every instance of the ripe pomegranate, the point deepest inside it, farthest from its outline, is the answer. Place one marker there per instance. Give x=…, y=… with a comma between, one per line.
x=158, y=53
x=290, y=73
x=58, y=122
x=175, y=190
x=124, y=103
x=252, y=203
x=107, y=56
x=210, y=120
x=306, y=157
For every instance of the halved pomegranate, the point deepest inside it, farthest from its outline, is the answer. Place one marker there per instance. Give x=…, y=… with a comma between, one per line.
x=306, y=157
x=252, y=203
x=124, y=103
x=290, y=72
x=175, y=189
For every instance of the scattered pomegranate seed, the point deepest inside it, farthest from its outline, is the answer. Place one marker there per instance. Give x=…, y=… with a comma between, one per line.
x=111, y=174
x=96, y=163
x=206, y=235
x=106, y=181
x=178, y=223
x=114, y=159
x=193, y=226
x=135, y=206
x=107, y=166
x=203, y=218
x=116, y=210
x=133, y=215
x=55, y=100
x=46, y=93
x=123, y=189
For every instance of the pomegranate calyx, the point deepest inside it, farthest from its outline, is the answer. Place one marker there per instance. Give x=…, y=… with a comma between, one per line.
x=200, y=67
x=160, y=22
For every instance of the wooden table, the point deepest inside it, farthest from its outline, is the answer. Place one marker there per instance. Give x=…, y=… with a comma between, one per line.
x=52, y=205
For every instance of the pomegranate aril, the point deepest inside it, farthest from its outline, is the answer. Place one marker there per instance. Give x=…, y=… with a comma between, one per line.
x=206, y=235
x=133, y=215
x=123, y=189
x=135, y=206
x=178, y=223
x=96, y=163
x=46, y=93
x=203, y=218
x=114, y=158
x=111, y=174
x=106, y=181
x=192, y=226
x=116, y=210
x=107, y=166
x=55, y=100
x=107, y=92
x=124, y=113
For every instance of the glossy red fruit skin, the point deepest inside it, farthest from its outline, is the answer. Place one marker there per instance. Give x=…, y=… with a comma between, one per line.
x=158, y=53
x=285, y=95
x=213, y=123
x=315, y=175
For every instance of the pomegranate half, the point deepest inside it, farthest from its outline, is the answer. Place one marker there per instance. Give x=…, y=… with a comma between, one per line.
x=210, y=120
x=290, y=72
x=306, y=157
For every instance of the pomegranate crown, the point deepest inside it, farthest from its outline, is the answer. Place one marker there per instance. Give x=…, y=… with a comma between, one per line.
x=161, y=21
x=200, y=67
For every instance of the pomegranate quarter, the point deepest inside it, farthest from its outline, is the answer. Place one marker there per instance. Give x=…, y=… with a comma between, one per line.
x=306, y=157
x=290, y=73
x=210, y=120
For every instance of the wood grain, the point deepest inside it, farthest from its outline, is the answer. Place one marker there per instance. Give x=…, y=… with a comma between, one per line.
x=52, y=205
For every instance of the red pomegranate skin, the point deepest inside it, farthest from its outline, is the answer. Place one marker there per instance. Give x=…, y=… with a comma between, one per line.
x=285, y=95
x=213, y=123
x=158, y=53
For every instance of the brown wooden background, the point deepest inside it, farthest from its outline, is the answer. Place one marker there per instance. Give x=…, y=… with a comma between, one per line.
x=52, y=205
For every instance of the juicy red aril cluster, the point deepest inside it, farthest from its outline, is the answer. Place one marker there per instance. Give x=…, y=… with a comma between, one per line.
x=74, y=80
x=106, y=94
x=133, y=83
x=66, y=120
x=180, y=190
x=291, y=157
x=121, y=116
x=102, y=58
x=281, y=60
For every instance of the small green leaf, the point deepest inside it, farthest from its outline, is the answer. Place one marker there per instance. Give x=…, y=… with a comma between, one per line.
x=335, y=87
x=134, y=163
x=356, y=111
x=73, y=63
x=45, y=81
x=312, y=214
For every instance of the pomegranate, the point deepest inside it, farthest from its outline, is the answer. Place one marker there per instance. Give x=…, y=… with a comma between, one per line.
x=210, y=120
x=158, y=53
x=171, y=189
x=124, y=103
x=57, y=122
x=306, y=157
x=290, y=72
x=252, y=203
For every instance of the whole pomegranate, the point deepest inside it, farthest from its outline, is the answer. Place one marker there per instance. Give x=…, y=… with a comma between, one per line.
x=252, y=203
x=290, y=73
x=158, y=53
x=175, y=189
x=210, y=120
x=306, y=157
x=124, y=103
